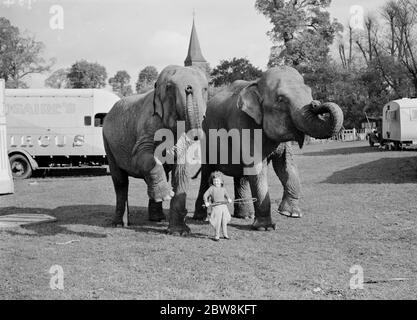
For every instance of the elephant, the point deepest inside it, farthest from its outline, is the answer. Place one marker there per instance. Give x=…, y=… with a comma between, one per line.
x=279, y=107
x=129, y=135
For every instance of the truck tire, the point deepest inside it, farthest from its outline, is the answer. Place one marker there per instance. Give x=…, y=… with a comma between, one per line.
x=20, y=166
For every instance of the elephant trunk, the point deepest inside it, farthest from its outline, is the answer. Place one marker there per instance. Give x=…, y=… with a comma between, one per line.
x=193, y=107
x=320, y=121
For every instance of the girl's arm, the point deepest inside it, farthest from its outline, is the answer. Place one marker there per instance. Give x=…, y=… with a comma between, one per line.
x=206, y=195
x=226, y=196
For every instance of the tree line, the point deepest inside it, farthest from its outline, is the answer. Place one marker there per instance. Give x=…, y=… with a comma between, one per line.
x=369, y=66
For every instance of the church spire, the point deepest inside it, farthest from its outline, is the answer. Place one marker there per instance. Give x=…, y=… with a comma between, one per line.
x=194, y=50
x=194, y=56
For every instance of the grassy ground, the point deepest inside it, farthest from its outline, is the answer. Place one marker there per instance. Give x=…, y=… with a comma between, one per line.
x=360, y=208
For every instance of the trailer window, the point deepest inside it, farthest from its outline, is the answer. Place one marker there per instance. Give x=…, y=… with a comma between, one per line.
x=87, y=121
x=99, y=119
x=414, y=115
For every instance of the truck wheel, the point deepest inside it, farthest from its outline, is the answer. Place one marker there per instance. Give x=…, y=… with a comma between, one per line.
x=21, y=168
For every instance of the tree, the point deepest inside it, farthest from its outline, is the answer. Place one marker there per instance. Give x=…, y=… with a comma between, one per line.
x=20, y=55
x=302, y=31
x=58, y=79
x=146, y=80
x=120, y=84
x=84, y=74
x=236, y=69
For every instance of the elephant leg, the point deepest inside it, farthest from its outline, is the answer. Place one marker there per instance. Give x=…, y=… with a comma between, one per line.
x=121, y=186
x=287, y=172
x=243, y=191
x=259, y=187
x=145, y=162
x=200, y=213
x=156, y=213
x=178, y=210
x=155, y=210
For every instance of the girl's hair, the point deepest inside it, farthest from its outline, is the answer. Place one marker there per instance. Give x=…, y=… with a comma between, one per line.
x=214, y=175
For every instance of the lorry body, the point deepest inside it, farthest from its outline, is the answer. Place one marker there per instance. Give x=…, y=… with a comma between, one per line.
x=55, y=128
x=6, y=181
x=399, y=123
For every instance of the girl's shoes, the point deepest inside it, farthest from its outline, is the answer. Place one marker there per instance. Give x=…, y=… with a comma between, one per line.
x=216, y=239
x=227, y=238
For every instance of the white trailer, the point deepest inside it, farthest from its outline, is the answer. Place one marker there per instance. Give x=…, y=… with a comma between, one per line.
x=399, y=123
x=55, y=128
x=6, y=181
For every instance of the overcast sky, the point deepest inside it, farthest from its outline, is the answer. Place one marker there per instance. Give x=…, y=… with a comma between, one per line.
x=131, y=34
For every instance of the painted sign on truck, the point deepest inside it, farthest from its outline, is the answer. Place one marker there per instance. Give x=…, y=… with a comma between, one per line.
x=55, y=128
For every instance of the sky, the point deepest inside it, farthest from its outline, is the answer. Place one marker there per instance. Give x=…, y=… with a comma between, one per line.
x=132, y=34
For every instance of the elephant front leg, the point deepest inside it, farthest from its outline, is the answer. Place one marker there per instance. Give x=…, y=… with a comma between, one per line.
x=178, y=210
x=287, y=172
x=243, y=210
x=259, y=187
x=200, y=212
x=155, y=210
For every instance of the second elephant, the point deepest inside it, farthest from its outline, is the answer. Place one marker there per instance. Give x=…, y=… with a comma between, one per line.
x=278, y=108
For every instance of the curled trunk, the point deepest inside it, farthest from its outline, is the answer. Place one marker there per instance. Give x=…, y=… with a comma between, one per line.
x=320, y=121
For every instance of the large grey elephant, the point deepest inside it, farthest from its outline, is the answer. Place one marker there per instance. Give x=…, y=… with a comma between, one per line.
x=129, y=130
x=282, y=108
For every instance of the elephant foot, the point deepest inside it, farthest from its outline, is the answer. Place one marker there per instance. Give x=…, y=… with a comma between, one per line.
x=289, y=208
x=263, y=224
x=244, y=211
x=156, y=213
x=179, y=230
x=158, y=187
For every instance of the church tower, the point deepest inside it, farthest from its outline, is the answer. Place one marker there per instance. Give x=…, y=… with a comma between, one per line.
x=195, y=57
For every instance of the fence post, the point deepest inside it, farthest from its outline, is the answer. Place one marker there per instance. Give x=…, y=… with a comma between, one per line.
x=6, y=180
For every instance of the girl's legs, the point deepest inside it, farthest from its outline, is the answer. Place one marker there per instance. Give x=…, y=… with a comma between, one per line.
x=225, y=221
x=216, y=221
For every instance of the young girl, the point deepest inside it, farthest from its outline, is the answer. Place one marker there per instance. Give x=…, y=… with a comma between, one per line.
x=214, y=198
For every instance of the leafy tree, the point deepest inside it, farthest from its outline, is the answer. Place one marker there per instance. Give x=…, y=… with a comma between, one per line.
x=231, y=70
x=20, y=55
x=84, y=74
x=146, y=80
x=302, y=31
x=58, y=79
x=120, y=84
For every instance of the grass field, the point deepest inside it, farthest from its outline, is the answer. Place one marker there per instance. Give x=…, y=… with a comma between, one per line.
x=360, y=207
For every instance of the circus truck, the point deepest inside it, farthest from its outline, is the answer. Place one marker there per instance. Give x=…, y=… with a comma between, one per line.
x=399, y=123
x=55, y=128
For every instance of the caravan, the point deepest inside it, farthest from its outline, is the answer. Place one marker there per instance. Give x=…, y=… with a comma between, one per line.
x=399, y=123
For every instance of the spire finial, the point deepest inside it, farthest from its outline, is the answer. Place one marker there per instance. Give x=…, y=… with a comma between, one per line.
x=193, y=14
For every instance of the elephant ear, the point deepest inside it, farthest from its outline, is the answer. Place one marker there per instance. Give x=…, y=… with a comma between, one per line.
x=249, y=101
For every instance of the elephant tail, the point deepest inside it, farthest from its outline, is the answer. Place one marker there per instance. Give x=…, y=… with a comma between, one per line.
x=196, y=175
